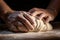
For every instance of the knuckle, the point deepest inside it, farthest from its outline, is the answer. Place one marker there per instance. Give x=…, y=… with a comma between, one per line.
x=25, y=21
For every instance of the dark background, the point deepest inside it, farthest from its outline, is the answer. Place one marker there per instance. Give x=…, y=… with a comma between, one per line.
x=28, y=4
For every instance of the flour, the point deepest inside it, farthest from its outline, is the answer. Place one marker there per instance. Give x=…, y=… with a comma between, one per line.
x=39, y=25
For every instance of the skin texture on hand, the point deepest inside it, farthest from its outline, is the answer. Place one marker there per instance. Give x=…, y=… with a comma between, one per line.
x=42, y=14
x=20, y=21
x=23, y=21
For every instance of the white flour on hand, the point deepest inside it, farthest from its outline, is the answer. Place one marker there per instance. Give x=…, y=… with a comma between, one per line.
x=39, y=25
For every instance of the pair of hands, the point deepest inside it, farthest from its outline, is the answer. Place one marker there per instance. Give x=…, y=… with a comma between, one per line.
x=21, y=21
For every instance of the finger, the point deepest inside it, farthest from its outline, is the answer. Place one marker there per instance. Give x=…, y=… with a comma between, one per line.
x=49, y=19
x=36, y=13
x=21, y=27
x=12, y=27
x=33, y=10
x=25, y=22
x=42, y=16
x=29, y=18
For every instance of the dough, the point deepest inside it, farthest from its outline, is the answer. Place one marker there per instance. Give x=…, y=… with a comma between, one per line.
x=41, y=26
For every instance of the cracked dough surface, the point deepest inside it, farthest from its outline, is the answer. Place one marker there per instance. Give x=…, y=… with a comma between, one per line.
x=40, y=25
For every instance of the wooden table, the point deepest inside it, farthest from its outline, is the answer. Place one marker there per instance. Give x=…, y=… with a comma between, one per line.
x=49, y=35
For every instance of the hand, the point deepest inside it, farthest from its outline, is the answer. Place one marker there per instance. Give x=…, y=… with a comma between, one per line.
x=42, y=14
x=20, y=21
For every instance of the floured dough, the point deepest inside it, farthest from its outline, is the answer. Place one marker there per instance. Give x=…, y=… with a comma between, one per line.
x=40, y=25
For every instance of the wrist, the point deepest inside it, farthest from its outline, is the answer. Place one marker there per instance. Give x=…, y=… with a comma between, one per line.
x=52, y=11
x=5, y=15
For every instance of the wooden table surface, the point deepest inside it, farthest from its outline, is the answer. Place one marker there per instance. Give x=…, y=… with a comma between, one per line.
x=49, y=35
